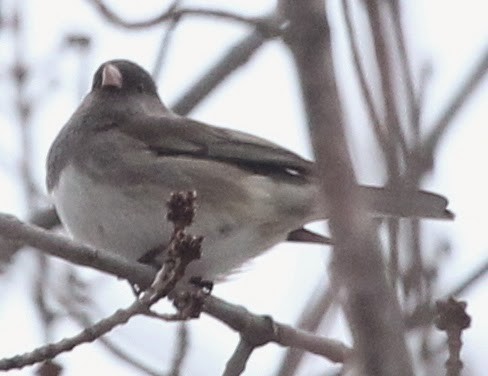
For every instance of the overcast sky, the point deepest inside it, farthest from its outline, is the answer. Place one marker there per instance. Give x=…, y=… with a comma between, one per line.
x=262, y=98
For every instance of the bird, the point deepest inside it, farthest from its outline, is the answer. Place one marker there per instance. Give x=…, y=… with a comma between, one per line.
x=122, y=153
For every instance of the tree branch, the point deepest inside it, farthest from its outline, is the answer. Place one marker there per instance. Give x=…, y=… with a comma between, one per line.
x=59, y=246
x=235, y=57
x=236, y=317
x=371, y=306
x=314, y=313
x=258, y=330
x=421, y=159
x=265, y=25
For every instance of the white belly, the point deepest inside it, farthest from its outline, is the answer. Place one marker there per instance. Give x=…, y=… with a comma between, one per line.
x=131, y=222
x=108, y=219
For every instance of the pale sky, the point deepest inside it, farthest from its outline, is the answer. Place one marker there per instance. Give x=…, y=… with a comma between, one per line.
x=263, y=99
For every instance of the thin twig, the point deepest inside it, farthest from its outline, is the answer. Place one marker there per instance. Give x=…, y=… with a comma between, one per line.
x=424, y=314
x=407, y=80
x=396, y=138
x=181, y=349
x=121, y=354
x=378, y=125
x=237, y=363
x=472, y=278
x=421, y=159
x=43, y=353
x=265, y=25
x=165, y=42
x=23, y=107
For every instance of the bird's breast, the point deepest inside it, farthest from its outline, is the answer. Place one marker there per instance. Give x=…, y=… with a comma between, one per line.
x=119, y=219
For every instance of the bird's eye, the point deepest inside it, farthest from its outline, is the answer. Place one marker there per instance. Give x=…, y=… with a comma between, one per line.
x=140, y=88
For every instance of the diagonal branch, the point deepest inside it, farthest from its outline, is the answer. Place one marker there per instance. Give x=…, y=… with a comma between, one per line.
x=378, y=125
x=315, y=312
x=59, y=246
x=237, y=56
x=421, y=159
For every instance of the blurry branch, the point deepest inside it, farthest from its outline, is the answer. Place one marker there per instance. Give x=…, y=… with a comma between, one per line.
x=412, y=100
x=421, y=159
x=181, y=349
x=162, y=284
x=24, y=108
x=165, y=42
x=314, y=313
x=383, y=132
x=20, y=75
x=264, y=24
x=383, y=57
x=237, y=56
x=237, y=363
x=472, y=278
x=378, y=125
x=371, y=307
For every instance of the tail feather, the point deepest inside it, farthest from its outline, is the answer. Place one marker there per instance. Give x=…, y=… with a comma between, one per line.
x=399, y=203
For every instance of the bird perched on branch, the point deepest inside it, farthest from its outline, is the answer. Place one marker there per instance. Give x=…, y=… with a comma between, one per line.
x=122, y=153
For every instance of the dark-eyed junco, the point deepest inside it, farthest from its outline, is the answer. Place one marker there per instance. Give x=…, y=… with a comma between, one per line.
x=115, y=163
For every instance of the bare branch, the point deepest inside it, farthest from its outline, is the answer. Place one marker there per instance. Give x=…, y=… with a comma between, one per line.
x=378, y=125
x=181, y=350
x=472, y=278
x=421, y=159
x=265, y=25
x=235, y=57
x=62, y=247
x=237, y=362
x=424, y=314
x=87, y=335
x=396, y=138
x=165, y=42
x=371, y=306
x=86, y=322
x=412, y=100
x=258, y=330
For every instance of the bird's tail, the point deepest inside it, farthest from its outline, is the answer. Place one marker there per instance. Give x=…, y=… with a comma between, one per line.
x=398, y=203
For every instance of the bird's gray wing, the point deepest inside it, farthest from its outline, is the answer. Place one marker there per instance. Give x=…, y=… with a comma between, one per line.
x=181, y=136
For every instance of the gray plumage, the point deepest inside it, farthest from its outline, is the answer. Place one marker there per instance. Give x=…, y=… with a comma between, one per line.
x=114, y=164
